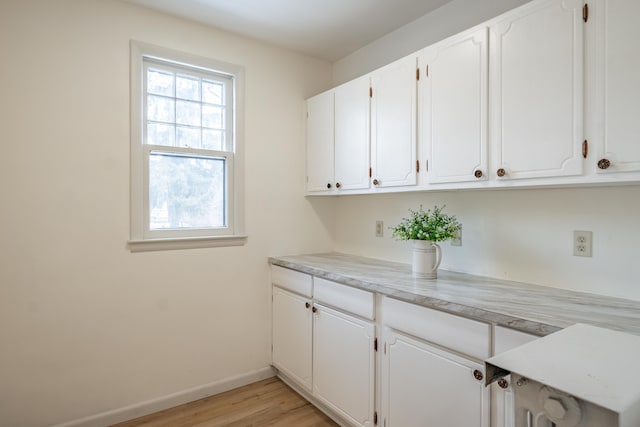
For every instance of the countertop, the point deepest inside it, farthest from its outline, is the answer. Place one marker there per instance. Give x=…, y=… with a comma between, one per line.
x=529, y=308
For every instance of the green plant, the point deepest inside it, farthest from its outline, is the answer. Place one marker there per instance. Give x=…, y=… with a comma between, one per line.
x=427, y=225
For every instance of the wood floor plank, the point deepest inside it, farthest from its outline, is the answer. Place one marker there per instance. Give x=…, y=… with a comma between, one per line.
x=266, y=403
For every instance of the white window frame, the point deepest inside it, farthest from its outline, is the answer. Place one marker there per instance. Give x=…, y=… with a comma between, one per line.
x=142, y=237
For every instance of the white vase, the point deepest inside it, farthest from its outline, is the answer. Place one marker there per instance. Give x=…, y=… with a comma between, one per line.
x=426, y=259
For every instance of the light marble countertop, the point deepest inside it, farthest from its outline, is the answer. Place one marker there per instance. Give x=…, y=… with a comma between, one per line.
x=535, y=309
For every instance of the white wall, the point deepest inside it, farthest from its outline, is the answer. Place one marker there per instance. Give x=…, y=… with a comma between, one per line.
x=453, y=17
x=85, y=325
x=521, y=235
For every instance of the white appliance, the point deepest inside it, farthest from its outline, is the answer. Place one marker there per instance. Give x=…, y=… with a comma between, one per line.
x=581, y=376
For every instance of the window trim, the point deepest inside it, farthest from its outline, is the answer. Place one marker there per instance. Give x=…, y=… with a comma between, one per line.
x=139, y=239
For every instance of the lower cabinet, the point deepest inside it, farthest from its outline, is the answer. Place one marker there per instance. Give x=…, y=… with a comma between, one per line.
x=323, y=337
x=423, y=385
x=292, y=341
x=390, y=363
x=344, y=364
x=432, y=371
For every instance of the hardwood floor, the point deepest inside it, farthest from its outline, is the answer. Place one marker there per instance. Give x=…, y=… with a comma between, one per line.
x=266, y=403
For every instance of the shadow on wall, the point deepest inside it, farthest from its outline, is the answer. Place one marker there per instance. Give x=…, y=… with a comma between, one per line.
x=325, y=211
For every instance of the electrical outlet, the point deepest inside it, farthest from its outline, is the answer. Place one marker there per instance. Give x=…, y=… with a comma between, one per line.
x=457, y=240
x=379, y=228
x=582, y=243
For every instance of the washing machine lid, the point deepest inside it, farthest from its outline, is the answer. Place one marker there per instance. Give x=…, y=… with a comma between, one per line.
x=593, y=364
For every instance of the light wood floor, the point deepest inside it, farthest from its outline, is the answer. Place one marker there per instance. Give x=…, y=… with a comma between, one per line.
x=266, y=403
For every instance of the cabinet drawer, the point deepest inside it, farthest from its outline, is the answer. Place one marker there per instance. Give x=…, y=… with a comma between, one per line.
x=292, y=280
x=356, y=301
x=505, y=339
x=456, y=333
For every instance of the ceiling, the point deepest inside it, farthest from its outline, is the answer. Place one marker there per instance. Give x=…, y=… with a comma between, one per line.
x=325, y=29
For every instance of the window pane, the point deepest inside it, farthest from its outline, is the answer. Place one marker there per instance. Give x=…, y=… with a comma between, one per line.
x=212, y=92
x=161, y=134
x=212, y=117
x=160, y=82
x=188, y=113
x=213, y=139
x=186, y=192
x=188, y=88
x=188, y=136
x=160, y=109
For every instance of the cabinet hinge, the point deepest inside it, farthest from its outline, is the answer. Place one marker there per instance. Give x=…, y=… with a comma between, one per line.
x=417, y=166
x=375, y=344
x=418, y=73
x=585, y=12
x=370, y=173
x=370, y=92
x=375, y=418
x=426, y=71
x=585, y=149
x=426, y=165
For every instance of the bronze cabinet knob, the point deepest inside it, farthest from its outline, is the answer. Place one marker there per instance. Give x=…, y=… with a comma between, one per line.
x=376, y=182
x=604, y=164
x=307, y=305
x=477, y=173
x=501, y=172
x=314, y=309
x=328, y=185
x=502, y=383
x=478, y=375
x=338, y=185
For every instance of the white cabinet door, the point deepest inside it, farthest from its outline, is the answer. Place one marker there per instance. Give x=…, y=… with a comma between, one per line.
x=453, y=108
x=352, y=119
x=292, y=339
x=393, y=124
x=426, y=386
x=343, y=364
x=617, y=86
x=536, y=80
x=320, y=143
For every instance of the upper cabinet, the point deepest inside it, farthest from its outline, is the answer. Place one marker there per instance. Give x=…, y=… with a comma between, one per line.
x=338, y=139
x=320, y=143
x=362, y=134
x=352, y=126
x=393, y=124
x=453, y=108
x=545, y=94
x=616, y=137
x=536, y=80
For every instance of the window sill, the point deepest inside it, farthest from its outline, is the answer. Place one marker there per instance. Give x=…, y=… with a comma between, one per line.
x=185, y=243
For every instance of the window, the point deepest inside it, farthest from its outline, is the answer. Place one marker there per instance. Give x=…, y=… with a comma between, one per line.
x=186, y=186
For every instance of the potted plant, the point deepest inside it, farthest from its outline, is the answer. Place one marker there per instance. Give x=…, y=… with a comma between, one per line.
x=424, y=229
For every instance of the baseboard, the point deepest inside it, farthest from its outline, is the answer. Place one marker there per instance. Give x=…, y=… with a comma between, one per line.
x=154, y=405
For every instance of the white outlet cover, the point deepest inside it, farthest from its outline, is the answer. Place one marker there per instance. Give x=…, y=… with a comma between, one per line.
x=379, y=228
x=582, y=243
x=457, y=241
